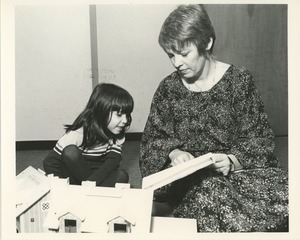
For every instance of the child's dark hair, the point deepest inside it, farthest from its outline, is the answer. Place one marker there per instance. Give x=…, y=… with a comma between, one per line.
x=105, y=98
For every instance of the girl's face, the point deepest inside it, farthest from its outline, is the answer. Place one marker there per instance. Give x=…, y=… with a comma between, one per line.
x=117, y=122
x=188, y=62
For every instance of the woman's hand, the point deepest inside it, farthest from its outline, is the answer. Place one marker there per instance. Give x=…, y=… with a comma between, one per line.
x=222, y=163
x=177, y=156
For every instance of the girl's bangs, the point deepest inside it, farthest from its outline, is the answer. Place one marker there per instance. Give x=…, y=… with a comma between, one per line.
x=123, y=104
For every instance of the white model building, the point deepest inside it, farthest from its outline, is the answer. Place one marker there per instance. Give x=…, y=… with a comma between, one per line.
x=51, y=204
x=48, y=204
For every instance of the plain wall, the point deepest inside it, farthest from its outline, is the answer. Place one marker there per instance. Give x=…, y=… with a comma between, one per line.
x=53, y=68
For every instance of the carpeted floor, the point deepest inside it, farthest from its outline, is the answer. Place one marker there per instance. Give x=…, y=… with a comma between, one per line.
x=130, y=159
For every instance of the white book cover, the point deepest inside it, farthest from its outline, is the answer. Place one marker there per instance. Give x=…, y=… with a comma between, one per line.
x=172, y=174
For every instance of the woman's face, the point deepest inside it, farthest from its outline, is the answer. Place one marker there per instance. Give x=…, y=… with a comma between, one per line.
x=188, y=62
x=117, y=122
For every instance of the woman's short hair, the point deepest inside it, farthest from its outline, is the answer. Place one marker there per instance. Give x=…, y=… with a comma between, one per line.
x=185, y=25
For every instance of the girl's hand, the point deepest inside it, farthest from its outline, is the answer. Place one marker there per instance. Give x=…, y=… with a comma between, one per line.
x=222, y=163
x=177, y=156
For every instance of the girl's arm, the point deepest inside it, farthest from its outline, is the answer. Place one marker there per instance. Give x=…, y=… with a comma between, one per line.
x=111, y=163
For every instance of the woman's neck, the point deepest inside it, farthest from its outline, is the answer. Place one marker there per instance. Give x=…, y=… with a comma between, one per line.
x=205, y=80
x=208, y=70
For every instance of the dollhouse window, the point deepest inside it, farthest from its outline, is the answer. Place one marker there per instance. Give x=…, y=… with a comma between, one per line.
x=119, y=225
x=70, y=226
x=120, y=228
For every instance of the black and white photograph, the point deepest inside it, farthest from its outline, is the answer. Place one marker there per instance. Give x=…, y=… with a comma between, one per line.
x=149, y=120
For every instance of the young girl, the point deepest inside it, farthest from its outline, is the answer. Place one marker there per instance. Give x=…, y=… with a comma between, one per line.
x=91, y=147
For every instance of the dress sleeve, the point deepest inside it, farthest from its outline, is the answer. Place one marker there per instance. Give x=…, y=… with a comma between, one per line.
x=253, y=143
x=159, y=137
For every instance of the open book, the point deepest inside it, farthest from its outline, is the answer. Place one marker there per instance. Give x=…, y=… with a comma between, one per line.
x=172, y=174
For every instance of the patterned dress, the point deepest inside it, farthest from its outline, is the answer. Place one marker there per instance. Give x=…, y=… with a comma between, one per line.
x=230, y=118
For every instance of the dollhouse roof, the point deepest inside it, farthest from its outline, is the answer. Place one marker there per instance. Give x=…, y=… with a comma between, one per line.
x=81, y=218
x=131, y=221
x=32, y=185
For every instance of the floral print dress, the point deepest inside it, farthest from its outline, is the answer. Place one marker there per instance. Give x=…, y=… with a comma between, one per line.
x=229, y=118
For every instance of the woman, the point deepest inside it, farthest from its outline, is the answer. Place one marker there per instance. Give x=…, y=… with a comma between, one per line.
x=210, y=106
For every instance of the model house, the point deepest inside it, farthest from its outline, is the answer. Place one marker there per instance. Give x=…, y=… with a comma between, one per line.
x=61, y=207
x=48, y=204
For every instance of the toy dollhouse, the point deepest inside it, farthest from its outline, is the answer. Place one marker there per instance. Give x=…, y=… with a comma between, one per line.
x=48, y=204
x=60, y=207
